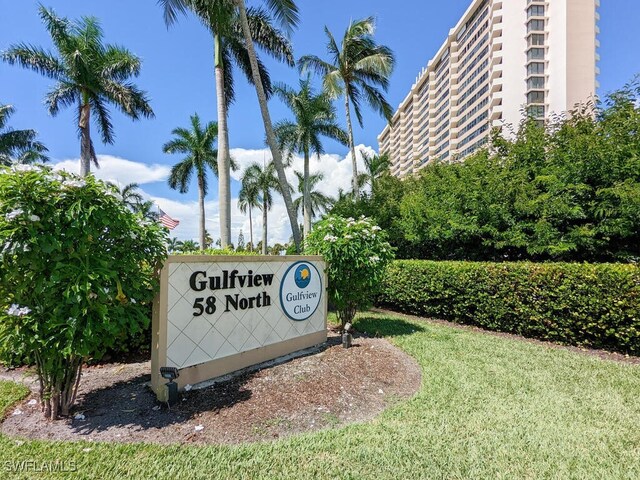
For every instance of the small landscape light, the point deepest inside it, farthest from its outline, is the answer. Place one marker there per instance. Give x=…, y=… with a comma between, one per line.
x=171, y=373
x=347, y=338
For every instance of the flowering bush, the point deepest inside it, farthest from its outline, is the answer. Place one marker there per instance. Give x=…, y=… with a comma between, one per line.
x=76, y=274
x=357, y=253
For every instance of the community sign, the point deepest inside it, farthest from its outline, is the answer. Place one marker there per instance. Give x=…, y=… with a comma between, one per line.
x=218, y=314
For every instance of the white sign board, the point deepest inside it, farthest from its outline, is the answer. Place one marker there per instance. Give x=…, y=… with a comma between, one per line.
x=215, y=314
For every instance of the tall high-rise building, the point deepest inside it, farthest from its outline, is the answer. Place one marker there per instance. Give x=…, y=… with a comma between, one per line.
x=502, y=59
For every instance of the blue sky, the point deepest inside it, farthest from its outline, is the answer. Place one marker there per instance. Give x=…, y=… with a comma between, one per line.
x=177, y=73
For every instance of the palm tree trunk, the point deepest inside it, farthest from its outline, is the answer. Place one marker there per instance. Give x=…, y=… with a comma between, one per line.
x=306, y=201
x=354, y=165
x=268, y=126
x=201, y=207
x=224, y=187
x=250, y=230
x=264, y=227
x=85, y=139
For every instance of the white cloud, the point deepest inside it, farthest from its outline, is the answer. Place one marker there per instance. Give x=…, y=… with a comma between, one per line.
x=119, y=170
x=337, y=175
x=337, y=170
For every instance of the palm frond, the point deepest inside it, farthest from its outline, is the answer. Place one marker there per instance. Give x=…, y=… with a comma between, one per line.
x=228, y=74
x=130, y=100
x=312, y=63
x=62, y=95
x=177, y=145
x=119, y=64
x=181, y=174
x=241, y=56
x=171, y=9
x=268, y=38
x=285, y=12
x=102, y=119
x=36, y=59
x=60, y=29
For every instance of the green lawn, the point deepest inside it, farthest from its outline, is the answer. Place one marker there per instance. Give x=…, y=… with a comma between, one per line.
x=10, y=393
x=489, y=407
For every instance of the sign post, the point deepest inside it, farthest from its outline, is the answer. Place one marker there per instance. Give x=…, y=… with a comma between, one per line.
x=218, y=314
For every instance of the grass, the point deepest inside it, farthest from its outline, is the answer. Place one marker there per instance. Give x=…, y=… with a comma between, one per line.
x=10, y=393
x=489, y=407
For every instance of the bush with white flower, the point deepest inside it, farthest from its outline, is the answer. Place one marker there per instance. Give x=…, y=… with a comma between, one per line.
x=77, y=274
x=357, y=253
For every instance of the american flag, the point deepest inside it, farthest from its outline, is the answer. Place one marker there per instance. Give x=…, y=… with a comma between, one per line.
x=167, y=221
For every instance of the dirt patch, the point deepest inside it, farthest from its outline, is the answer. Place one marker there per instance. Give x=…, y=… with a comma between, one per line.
x=329, y=388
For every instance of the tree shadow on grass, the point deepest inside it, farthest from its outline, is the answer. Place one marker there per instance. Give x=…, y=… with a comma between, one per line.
x=386, y=326
x=132, y=404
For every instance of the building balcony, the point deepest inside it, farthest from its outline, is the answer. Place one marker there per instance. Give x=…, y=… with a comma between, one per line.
x=495, y=72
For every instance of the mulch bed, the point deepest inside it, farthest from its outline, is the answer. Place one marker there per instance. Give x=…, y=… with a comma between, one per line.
x=331, y=387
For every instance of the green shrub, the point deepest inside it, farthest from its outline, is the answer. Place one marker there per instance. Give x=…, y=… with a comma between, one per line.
x=357, y=253
x=591, y=305
x=77, y=274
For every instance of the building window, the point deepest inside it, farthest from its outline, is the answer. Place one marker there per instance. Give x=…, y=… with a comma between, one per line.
x=535, y=83
x=536, y=111
x=535, y=68
x=535, y=54
x=535, y=97
x=535, y=11
x=536, y=39
x=535, y=26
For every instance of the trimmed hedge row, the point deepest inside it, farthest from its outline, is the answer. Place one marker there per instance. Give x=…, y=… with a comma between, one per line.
x=591, y=305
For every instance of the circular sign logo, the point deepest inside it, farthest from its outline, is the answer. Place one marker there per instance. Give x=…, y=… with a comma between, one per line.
x=302, y=276
x=300, y=291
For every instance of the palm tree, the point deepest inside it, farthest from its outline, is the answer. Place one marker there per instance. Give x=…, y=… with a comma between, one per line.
x=221, y=18
x=129, y=195
x=265, y=181
x=89, y=75
x=317, y=200
x=314, y=116
x=189, y=246
x=174, y=245
x=359, y=68
x=286, y=12
x=248, y=199
x=208, y=240
x=148, y=210
x=18, y=146
x=197, y=145
x=375, y=166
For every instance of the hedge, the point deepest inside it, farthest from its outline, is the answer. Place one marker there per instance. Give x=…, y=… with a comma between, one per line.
x=590, y=305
